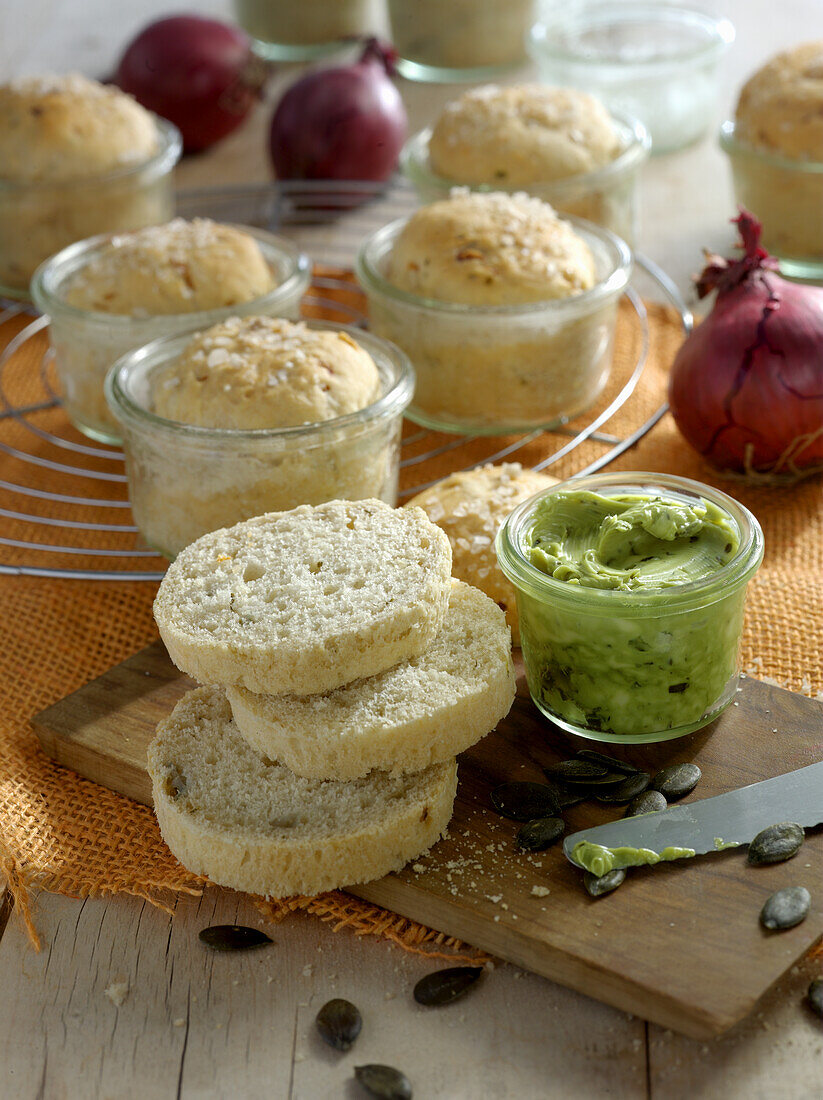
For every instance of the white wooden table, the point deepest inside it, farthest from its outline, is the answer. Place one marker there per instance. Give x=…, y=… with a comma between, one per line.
x=195, y=1023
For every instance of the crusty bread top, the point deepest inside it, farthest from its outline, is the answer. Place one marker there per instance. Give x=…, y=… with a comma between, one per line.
x=471, y=506
x=427, y=708
x=209, y=772
x=306, y=600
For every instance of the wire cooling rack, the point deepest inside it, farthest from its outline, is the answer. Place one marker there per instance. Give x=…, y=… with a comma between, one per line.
x=64, y=508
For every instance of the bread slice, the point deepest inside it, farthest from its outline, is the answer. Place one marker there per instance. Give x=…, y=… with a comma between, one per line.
x=306, y=600
x=228, y=812
x=420, y=712
x=470, y=506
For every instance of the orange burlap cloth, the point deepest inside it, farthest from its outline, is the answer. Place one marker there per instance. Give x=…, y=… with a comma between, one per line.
x=62, y=833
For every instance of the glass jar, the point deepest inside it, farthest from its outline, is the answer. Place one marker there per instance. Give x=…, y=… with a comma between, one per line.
x=299, y=30
x=39, y=218
x=455, y=40
x=494, y=369
x=185, y=480
x=658, y=62
x=86, y=343
x=639, y=665
x=607, y=196
x=786, y=196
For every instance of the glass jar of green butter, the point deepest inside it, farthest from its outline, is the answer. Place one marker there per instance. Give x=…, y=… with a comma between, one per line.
x=630, y=591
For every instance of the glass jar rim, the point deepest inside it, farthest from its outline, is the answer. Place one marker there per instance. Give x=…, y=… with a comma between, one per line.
x=719, y=30
x=731, y=146
x=414, y=162
x=128, y=411
x=737, y=571
x=371, y=278
x=169, y=151
x=49, y=278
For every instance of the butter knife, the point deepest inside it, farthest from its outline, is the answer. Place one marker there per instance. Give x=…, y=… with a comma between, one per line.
x=710, y=824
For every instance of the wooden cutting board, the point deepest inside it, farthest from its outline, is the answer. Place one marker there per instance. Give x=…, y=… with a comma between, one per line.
x=679, y=944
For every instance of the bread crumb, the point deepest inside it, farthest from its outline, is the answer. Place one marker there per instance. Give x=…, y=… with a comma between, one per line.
x=179, y=1022
x=117, y=992
x=540, y=891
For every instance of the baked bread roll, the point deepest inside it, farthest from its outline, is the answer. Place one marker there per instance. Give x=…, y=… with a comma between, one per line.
x=781, y=106
x=471, y=506
x=258, y=372
x=301, y=602
x=244, y=821
x=423, y=711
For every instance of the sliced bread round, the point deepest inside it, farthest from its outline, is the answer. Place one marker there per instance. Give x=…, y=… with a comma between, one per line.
x=303, y=601
x=422, y=711
x=470, y=506
x=233, y=815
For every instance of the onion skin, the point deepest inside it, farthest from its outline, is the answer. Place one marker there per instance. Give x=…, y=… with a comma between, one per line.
x=198, y=73
x=346, y=123
x=746, y=387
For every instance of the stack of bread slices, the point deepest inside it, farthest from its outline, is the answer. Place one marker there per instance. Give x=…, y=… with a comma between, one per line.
x=345, y=669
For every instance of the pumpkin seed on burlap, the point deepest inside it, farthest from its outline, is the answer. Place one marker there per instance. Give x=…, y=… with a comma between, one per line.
x=537, y=835
x=775, y=844
x=441, y=987
x=598, y=885
x=525, y=801
x=786, y=908
x=648, y=802
x=339, y=1023
x=233, y=937
x=676, y=781
x=384, y=1082
x=814, y=995
x=629, y=788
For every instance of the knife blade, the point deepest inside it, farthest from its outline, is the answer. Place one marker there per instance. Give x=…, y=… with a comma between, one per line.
x=732, y=818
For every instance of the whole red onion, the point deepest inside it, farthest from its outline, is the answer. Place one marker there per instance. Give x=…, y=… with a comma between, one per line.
x=198, y=73
x=345, y=123
x=746, y=387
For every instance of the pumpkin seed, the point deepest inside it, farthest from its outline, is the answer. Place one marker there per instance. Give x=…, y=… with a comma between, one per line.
x=339, y=1023
x=568, y=797
x=598, y=885
x=441, y=987
x=525, y=801
x=233, y=937
x=583, y=773
x=786, y=908
x=384, y=1082
x=676, y=781
x=611, y=763
x=629, y=788
x=775, y=844
x=648, y=802
x=539, y=834
x=814, y=995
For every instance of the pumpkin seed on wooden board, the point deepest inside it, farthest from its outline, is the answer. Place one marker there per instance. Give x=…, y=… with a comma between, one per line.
x=537, y=835
x=233, y=937
x=576, y=771
x=384, y=1082
x=611, y=763
x=598, y=885
x=441, y=987
x=630, y=787
x=676, y=781
x=775, y=844
x=339, y=1023
x=648, y=802
x=566, y=796
x=814, y=995
x=786, y=908
x=525, y=801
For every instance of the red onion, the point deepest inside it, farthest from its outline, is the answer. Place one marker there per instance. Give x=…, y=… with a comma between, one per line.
x=198, y=73
x=345, y=123
x=746, y=387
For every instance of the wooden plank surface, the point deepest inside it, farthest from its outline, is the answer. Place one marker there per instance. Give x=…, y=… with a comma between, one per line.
x=624, y=949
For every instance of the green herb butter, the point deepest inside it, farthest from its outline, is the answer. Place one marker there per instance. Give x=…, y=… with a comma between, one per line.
x=720, y=845
x=599, y=860
x=621, y=653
